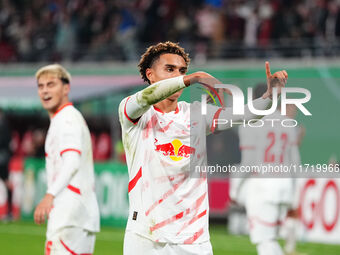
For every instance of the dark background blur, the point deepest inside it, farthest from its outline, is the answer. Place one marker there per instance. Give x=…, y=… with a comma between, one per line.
x=102, y=30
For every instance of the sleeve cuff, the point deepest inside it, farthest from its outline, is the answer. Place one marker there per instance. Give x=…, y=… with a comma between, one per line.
x=181, y=81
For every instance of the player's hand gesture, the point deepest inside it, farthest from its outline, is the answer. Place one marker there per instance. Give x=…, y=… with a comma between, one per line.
x=43, y=209
x=277, y=80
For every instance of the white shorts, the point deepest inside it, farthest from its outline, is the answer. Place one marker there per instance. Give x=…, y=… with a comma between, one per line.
x=135, y=244
x=70, y=240
x=265, y=220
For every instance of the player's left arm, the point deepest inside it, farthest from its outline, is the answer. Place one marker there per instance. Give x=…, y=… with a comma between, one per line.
x=134, y=106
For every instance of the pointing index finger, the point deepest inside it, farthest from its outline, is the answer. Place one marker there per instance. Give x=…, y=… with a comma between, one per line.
x=268, y=69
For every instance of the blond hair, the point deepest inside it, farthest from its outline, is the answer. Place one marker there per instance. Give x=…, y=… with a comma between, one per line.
x=57, y=70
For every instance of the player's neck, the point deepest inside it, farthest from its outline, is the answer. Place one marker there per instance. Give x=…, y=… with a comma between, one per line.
x=53, y=112
x=166, y=105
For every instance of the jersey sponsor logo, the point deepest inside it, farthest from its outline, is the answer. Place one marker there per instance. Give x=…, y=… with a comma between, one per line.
x=176, y=150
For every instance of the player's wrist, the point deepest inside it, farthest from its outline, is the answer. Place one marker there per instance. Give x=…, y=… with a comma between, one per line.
x=190, y=79
x=197, y=77
x=49, y=195
x=268, y=95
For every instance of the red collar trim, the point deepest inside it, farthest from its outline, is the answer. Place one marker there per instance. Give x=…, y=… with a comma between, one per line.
x=159, y=110
x=60, y=108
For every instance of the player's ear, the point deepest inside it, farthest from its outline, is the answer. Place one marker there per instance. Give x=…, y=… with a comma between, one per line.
x=66, y=88
x=149, y=74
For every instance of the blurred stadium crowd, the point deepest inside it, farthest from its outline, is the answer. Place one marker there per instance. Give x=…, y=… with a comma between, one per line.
x=101, y=30
x=28, y=134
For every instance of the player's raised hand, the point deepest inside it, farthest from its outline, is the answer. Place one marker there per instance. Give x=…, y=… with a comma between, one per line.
x=43, y=209
x=277, y=80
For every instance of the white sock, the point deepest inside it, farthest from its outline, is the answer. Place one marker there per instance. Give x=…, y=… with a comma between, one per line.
x=269, y=247
x=290, y=236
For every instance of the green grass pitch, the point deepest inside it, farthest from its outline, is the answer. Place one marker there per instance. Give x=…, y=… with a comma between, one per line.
x=26, y=238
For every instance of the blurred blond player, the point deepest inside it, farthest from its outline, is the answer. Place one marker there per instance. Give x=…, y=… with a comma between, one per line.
x=169, y=211
x=70, y=202
x=268, y=200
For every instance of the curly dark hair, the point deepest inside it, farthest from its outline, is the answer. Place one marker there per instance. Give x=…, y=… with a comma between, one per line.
x=155, y=51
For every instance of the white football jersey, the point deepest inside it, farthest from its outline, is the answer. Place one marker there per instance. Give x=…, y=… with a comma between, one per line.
x=271, y=144
x=167, y=204
x=76, y=205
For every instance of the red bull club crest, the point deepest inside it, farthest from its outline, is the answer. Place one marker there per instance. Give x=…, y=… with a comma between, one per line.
x=176, y=150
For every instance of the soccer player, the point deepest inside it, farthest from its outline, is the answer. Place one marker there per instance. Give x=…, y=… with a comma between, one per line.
x=70, y=203
x=291, y=223
x=268, y=199
x=168, y=211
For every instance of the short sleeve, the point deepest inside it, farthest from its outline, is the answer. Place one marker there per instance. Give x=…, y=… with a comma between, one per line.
x=212, y=112
x=70, y=138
